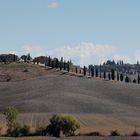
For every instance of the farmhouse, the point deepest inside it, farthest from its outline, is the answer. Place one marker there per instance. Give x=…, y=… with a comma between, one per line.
x=40, y=59
x=8, y=57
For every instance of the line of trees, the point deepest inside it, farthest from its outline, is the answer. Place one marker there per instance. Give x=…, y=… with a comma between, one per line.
x=93, y=71
x=61, y=64
x=109, y=70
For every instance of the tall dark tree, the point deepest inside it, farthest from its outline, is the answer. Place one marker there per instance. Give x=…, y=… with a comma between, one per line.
x=49, y=61
x=113, y=74
x=64, y=65
x=52, y=63
x=89, y=69
x=96, y=72
x=118, y=78
x=68, y=66
x=100, y=72
x=76, y=70
x=92, y=72
x=84, y=70
x=56, y=63
x=60, y=65
x=121, y=77
x=104, y=75
x=28, y=57
x=138, y=78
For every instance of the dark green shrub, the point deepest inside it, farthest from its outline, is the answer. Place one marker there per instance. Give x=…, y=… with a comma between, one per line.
x=93, y=134
x=55, y=126
x=18, y=130
x=41, y=131
x=66, y=124
x=25, y=130
x=11, y=114
x=135, y=133
x=114, y=133
x=69, y=125
x=14, y=131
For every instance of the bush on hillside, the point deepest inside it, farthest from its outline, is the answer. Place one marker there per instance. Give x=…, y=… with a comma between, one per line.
x=114, y=133
x=0, y=130
x=135, y=133
x=41, y=131
x=96, y=133
x=18, y=130
x=11, y=114
x=69, y=125
x=66, y=124
x=55, y=126
x=25, y=130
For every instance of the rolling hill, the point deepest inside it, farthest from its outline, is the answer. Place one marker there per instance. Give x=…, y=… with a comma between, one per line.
x=98, y=104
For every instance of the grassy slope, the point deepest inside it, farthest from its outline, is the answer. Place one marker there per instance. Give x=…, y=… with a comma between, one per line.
x=98, y=104
x=15, y=71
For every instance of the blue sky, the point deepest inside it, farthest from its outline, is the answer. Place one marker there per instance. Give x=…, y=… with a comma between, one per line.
x=86, y=31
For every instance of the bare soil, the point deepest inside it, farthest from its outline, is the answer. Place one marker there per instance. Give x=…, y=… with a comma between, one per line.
x=73, y=138
x=99, y=105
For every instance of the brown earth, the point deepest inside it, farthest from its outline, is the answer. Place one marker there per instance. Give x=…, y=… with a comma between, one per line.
x=22, y=71
x=73, y=138
x=99, y=105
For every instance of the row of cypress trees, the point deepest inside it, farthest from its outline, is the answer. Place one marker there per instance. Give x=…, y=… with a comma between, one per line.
x=92, y=71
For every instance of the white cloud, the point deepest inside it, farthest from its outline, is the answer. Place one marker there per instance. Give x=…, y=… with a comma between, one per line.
x=82, y=54
x=125, y=58
x=85, y=53
x=137, y=55
x=53, y=5
x=33, y=50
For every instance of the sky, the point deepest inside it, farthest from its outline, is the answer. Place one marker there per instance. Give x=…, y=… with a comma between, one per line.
x=85, y=31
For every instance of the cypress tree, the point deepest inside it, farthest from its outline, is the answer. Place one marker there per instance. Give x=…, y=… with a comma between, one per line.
x=64, y=65
x=68, y=67
x=28, y=57
x=100, y=72
x=76, y=70
x=96, y=72
x=84, y=70
x=113, y=74
x=49, y=61
x=52, y=64
x=92, y=72
x=56, y=63
x=118, y=78
x=121, y=77
x=89, y=69
x=138, y=78
x=60, y=65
